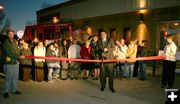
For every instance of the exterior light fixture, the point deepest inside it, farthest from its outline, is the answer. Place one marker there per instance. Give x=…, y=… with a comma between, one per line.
x=55, y=19
x=141, y=17
x=1, y=7
x=142, y=4
x=143, y=11
x=176, y=24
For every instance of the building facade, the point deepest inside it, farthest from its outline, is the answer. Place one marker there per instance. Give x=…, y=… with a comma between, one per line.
x=130, y=19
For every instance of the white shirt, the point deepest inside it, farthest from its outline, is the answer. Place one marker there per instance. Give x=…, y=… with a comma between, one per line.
x=104, y=40
x=170, y=52
x=56, y=51
x=123, y=49
x=74, y=51
x=39, y=51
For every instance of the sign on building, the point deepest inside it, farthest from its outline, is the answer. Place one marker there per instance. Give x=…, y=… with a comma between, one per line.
x=20, y=33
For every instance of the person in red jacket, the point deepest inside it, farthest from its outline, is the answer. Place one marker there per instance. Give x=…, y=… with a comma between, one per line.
x=86, y=54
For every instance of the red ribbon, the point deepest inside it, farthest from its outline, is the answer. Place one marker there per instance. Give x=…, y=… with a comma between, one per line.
x=112, y=60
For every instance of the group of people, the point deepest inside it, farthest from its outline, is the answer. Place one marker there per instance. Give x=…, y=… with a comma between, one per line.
x=96, y=48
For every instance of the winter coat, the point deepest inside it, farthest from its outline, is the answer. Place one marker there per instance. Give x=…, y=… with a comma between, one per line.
x=10, y=50
x=26, y=52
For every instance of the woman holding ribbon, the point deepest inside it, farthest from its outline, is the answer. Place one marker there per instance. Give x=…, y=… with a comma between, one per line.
x=169, y=64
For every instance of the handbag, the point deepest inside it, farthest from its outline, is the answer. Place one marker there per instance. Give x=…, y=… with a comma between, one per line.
x=39, y=64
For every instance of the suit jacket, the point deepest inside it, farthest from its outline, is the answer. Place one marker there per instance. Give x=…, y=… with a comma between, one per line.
x=109, y=44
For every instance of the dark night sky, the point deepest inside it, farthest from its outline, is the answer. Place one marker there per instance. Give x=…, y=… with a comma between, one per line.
x=20, y=11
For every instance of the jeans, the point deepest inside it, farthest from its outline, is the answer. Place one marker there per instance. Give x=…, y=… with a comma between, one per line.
x=142, y=70
x=53, y=67
x=123, y=66
x=11, y=72
x=120, y=68
x=117, y=70
x=128, y=72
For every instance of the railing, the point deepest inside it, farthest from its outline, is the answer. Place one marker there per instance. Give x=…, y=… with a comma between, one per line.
x=30, y=23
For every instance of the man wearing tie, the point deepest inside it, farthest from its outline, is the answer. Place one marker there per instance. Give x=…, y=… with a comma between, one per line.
x=105, y=50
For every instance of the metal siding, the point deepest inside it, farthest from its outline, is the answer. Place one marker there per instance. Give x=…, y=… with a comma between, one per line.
x=94, y=8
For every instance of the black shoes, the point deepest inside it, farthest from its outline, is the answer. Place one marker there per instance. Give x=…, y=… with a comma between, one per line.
x=169, y=87
x=17, y=93
x=162, y=86
x=166, y=87
x=64, y=79
x=85, y=77
x=102, y=89
x=6, y=95
x=76, y=78
x=95, y=78
x=112, y=90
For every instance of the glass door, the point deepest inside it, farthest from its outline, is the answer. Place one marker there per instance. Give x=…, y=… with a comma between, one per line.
x=170, y=28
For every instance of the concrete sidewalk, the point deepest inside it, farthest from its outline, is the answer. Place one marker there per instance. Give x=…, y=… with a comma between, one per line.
x=87, y=92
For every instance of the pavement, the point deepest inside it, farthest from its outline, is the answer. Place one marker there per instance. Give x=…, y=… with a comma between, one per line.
x=88, y=92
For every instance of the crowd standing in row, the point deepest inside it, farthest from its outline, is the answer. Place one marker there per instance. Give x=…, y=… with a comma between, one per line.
x=96, y=48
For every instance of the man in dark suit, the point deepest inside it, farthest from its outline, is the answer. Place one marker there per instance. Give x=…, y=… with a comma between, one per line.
x=105, y=50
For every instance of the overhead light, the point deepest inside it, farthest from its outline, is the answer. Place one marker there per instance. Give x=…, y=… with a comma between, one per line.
x=176, y=24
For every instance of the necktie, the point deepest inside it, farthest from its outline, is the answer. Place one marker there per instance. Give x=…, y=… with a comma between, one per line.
x=104, y=43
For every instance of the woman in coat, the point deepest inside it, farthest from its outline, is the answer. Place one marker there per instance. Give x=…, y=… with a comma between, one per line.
x=64, y=64
x=39, y=50
x=86, y=54
x=169, y=63
x=130, y=53
x=26, y=64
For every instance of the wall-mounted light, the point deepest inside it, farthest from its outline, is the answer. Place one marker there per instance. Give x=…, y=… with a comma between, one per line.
x=143, y=11
x=176, y=24
x=55, y=19
x=1, y=7
x=141, y=17
x=142, y=4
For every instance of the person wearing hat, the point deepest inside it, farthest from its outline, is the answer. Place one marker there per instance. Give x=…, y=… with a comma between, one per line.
x=169, y=63
x=11, y=54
